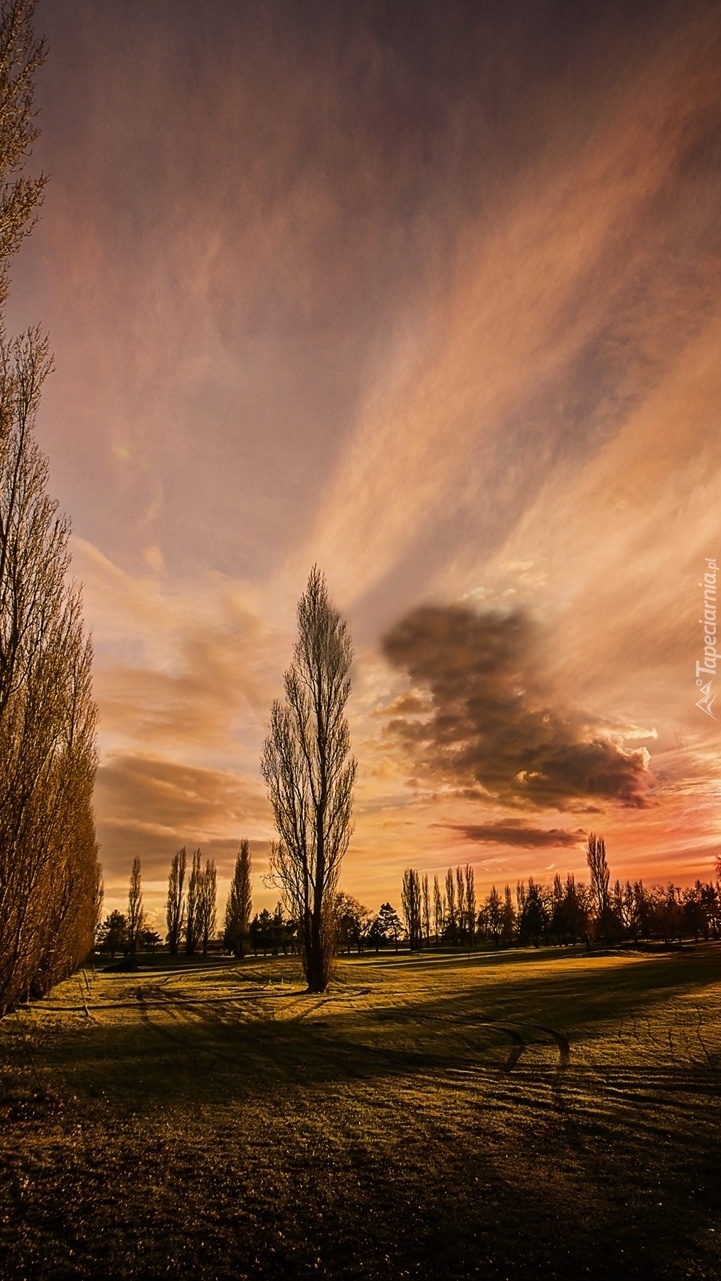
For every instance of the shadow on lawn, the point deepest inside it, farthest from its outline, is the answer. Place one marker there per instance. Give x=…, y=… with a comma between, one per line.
x=169, y=1047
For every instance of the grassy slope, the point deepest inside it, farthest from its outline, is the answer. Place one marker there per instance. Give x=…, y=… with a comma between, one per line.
x=216, y=1123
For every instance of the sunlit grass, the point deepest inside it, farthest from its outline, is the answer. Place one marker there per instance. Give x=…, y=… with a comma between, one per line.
x=535, y=1114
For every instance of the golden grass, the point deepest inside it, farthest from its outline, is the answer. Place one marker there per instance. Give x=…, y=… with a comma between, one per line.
x=517, y=1115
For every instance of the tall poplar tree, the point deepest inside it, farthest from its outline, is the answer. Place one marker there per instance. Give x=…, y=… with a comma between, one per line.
x=48, y=855
x=309, y=772
x=239, y=906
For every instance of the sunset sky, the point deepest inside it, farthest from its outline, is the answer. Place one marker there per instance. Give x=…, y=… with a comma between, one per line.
x=428, y=293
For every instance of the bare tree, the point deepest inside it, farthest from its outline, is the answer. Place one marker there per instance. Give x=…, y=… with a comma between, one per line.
x=175, y=904
x=21, y=55
x=509, y=916
x=438, y=911
x=192, y=914
x=309, y=772
x=239, y=906
x=426, y=911
x=411, y=905
x=461, y=904
x=600, y=876
x=451, y=906
x=207, y=899
x=48, y=853
x=136, y=916
x=471, y=903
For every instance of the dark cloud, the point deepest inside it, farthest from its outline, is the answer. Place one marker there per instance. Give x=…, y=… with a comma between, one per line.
x=491, y=721
x=511, y=831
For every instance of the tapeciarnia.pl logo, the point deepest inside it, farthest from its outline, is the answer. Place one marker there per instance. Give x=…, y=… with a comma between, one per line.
x=708, y=622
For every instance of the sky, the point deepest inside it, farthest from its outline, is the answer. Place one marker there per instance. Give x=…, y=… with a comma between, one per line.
x=426, y=292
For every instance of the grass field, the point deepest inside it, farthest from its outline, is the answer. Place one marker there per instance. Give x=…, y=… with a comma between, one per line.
x=520, y=1115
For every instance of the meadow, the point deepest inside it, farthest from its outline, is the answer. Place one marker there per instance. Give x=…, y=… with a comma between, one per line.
x=525, y=1114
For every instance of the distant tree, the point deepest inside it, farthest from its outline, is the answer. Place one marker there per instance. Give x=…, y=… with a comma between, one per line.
x=390, y=923
x=192, y=913
x=353, y=921
x=493, y=914
x=135, y=908
x=310, y=773
x=283, y=931
x=376, y=933
x=600, y=876
x=207, y=904
x=536, y=915
x=470, y=904
x=694, y=917
x=411, y=906
x=576, y=909
x=439, y=915
x=451, y=929
x=238, y=909
x=710, y=897
x=461, y=904
x=175, y=906
x=508, y=930
x=520, y=902
x=113, y=933
x=426, y=911
x=261, y=932
x=150, y=939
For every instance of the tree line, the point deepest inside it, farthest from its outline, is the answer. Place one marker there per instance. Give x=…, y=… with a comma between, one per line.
x=190, y=909
x=565, y=912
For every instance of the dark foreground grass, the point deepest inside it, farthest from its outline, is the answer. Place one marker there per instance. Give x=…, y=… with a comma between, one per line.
x=519, y=1116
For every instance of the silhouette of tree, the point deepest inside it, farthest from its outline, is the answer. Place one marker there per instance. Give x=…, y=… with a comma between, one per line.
x=390, y=924
x=426, y=910
x=175, y=905
x=207, y=904
x=493, y=915
x=113, y=933
x=192, y=911
x=353, y=921
x=508, y=931
x=439, y=915
x=238, y=908
x=451, y=928
x=309, y=772
x=411, y=907
x=135, y=908
x=600, y=876
x=470, y=904
x=261, y=932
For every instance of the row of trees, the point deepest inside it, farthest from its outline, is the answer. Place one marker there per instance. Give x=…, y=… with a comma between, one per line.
x=191, y=909
x=565, y=912
x=50, y=885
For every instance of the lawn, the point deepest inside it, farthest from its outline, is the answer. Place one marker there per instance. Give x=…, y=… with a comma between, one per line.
x=529, y=1115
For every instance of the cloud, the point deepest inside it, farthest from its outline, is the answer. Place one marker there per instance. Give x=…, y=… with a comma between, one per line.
x=151, y=806
x=492, y=726
x=512, y=831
